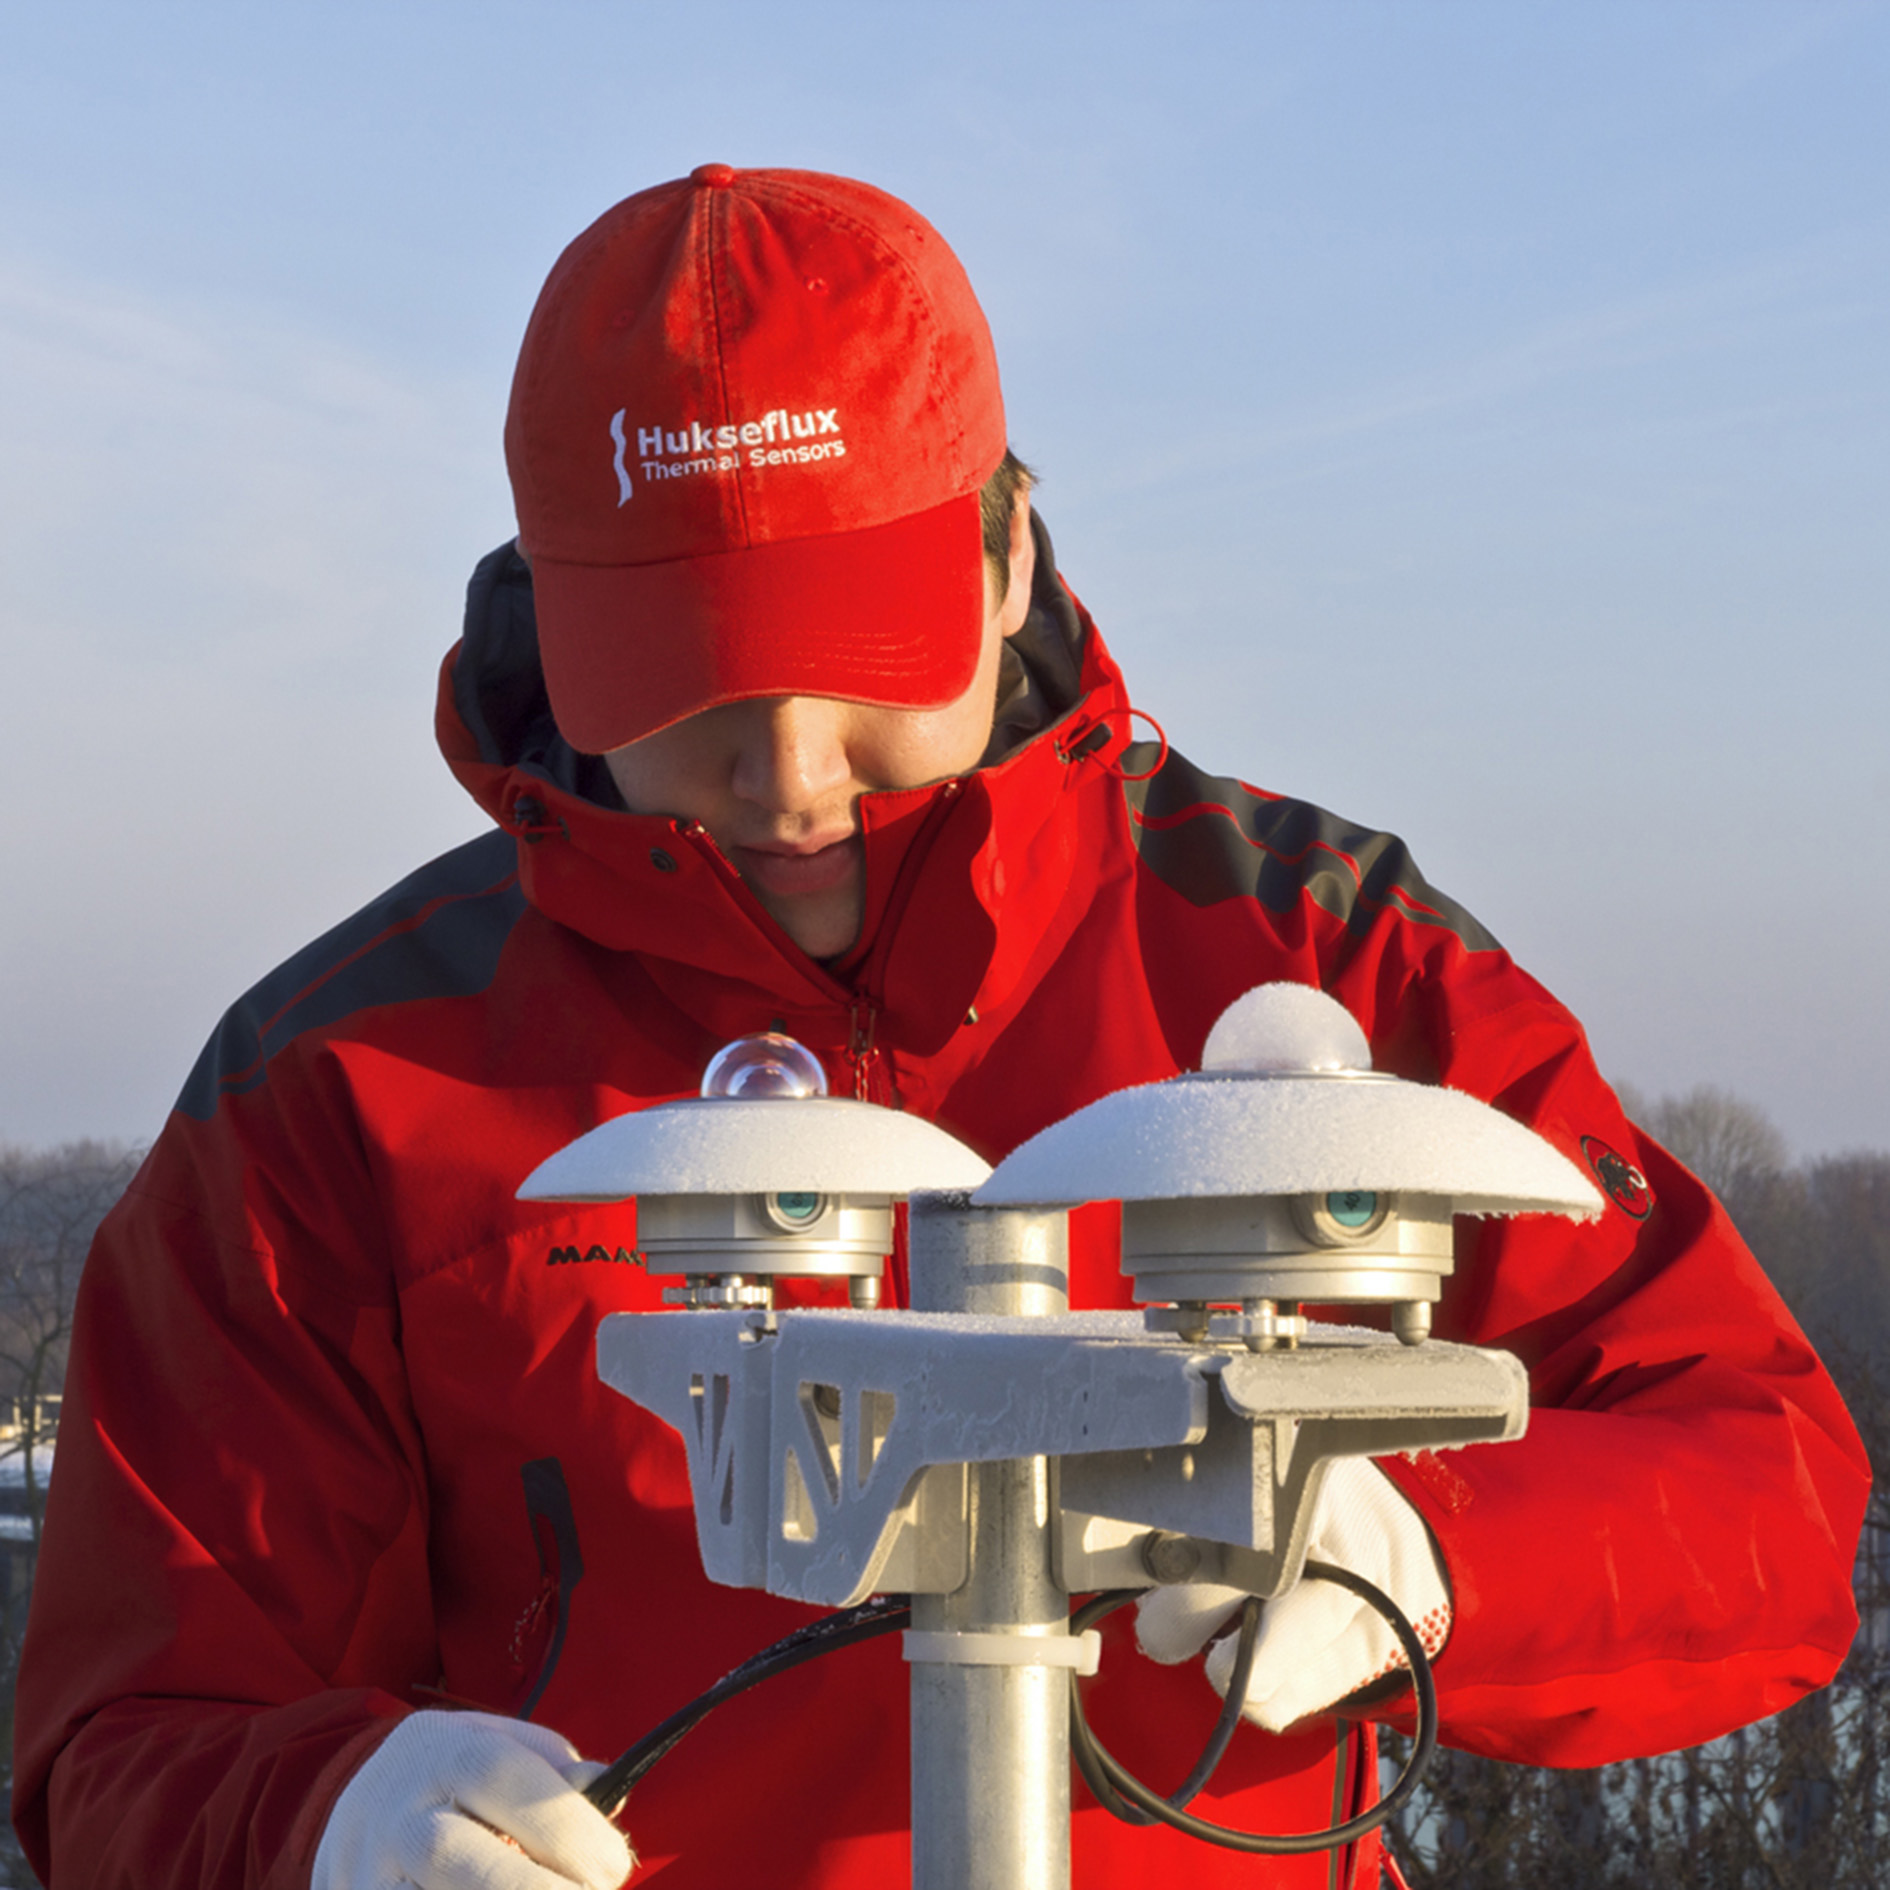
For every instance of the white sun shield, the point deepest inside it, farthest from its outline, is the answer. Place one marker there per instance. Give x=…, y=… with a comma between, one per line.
x=1287, y=1171
x=1233, y=1133
x=736, y=1146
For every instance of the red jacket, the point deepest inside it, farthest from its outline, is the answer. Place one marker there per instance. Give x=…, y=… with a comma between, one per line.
x=320, y=1342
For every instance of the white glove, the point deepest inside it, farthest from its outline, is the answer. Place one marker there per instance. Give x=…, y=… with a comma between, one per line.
x=1317, y=1642
x=468, y=1801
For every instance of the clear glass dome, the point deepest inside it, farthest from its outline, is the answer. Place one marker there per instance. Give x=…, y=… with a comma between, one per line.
x=764, y=1067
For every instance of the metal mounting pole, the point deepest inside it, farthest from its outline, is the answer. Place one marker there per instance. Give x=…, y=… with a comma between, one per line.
x=991, y=1743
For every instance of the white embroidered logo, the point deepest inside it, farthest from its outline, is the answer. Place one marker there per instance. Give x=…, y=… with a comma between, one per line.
x=778, y=438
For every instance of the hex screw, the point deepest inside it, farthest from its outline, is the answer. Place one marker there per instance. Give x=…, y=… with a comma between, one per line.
x=1171, y=1558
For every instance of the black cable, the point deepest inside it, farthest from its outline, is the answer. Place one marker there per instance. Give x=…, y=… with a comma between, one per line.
x=846, y=1629
x=1082, y=1740
x=1112, y=1782
x=1116, y=1788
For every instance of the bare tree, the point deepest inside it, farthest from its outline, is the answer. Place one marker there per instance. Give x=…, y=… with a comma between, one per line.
x=51, y=1202
x=1729, y=1143
x=1799, y=1801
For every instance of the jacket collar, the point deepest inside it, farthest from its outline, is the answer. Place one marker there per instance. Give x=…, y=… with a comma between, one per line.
x=952, y=914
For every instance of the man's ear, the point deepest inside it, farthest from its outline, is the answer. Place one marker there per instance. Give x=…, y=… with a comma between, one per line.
x=1022, y=567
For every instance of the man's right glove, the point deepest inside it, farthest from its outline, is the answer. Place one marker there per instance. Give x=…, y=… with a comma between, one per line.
x=469, y=1801
x=1317, y=1642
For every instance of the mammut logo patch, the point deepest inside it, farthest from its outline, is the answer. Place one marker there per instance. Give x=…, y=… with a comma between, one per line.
x=1621, y=1181
x=571, y=1257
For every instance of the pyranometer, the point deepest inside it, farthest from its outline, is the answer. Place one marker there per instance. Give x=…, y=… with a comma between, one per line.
x=762, y=1176
x=1289, y=1171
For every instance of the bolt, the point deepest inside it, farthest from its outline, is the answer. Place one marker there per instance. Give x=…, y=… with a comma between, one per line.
x=1169, y=1557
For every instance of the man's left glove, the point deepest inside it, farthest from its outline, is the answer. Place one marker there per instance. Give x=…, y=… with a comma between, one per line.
x=469, y=1801
x=1318, y=1642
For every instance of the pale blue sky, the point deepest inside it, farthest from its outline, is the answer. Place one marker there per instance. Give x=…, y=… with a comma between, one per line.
x=1472, y=416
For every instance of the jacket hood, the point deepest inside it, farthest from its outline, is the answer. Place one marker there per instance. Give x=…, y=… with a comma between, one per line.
x=962, y=877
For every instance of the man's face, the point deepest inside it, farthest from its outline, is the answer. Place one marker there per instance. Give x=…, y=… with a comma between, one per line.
x=777, y=780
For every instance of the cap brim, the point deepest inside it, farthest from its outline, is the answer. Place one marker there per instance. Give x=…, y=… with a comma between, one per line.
x=891, y=614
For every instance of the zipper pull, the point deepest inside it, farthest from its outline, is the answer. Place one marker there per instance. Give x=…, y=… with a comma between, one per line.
x=862, y=1022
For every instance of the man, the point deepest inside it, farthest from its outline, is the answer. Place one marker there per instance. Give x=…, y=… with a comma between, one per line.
x=787, y=721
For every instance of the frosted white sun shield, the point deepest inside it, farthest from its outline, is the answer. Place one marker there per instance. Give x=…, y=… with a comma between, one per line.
x=1288, y=1170
x=733, y=1192
x=723, y=1145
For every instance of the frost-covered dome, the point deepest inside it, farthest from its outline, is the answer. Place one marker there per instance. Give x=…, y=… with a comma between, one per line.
x=1288, y=1104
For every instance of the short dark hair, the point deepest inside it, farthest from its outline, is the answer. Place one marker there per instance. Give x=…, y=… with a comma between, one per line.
x=997, y=502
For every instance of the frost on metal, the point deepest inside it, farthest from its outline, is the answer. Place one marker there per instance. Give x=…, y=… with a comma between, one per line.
x=827, y=1452
x=720, y=1145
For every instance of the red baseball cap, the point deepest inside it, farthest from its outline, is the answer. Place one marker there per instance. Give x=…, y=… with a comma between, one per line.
x=751, y=416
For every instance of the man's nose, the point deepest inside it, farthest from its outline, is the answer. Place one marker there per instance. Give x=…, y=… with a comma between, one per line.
x=793, y=753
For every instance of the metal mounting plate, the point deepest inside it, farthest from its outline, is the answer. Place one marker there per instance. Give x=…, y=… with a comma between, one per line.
x=826, y=1449
x=1245, y=1493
